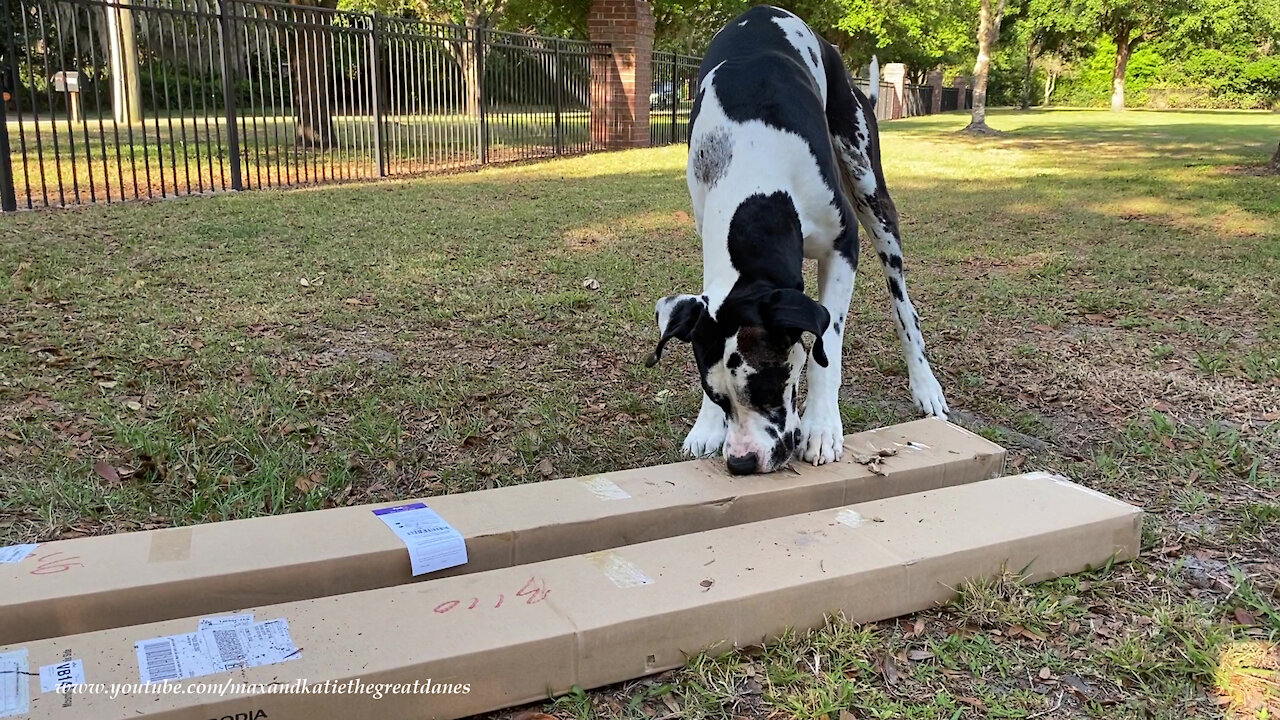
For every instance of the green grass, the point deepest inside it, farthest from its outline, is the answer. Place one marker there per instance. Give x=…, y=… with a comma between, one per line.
x=1099, y=293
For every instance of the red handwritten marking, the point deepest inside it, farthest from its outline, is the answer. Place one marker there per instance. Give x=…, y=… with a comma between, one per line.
x=48, y=566
x=535, y=591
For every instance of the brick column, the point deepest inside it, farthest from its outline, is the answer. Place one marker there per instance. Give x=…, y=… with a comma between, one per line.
x=935, y=82
x=896, y=75
x=622, y=77
x=961, y=84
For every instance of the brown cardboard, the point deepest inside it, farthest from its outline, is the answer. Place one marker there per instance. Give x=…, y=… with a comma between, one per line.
x=739, y=585
x=74, y=586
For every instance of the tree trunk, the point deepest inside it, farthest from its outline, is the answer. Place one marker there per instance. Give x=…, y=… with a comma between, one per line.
x=988, y=30
x=1124, y=47
x=468, y=57
x=1028, y=74
x=309, y=65
x=1050, y=80
x=1275, y=159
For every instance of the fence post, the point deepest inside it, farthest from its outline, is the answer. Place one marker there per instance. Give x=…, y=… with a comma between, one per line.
x=375, y=87
x=675, y=96
x=483, y=144
x=555, y=78
x=228, y=93
x=8, y=197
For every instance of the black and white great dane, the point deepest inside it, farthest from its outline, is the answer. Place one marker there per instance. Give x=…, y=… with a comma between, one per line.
x=784, y=161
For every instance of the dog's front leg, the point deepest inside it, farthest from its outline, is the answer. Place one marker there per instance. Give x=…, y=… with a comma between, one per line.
x=821, y=431
x=707, y=436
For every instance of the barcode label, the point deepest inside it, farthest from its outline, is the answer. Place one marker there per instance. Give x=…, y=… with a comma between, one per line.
x=159, y=662
x=206, y=652
x=230, y=649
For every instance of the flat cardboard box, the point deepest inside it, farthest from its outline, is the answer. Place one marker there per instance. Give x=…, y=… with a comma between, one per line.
x=516, y=635
x=73, y=586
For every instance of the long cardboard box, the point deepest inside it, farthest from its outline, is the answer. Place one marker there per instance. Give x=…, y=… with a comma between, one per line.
x=86, y=584
x=517, y=634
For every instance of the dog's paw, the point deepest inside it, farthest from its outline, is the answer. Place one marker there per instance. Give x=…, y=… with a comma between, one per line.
x=821, y=436
x=704, y=440
x=926, y=393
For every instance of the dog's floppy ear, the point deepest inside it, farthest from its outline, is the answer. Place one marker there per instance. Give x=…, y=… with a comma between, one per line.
x=792, y=310
x=677, y=315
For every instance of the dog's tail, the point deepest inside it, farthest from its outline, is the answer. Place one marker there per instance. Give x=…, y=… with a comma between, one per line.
x=873, y=92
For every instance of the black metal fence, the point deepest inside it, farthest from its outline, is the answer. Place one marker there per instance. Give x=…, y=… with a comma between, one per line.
x=108, y=101
x=675, y=78
x=950, y=99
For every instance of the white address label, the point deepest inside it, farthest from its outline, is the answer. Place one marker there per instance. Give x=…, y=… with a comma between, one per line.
x=15, y=684
x=205, y=652
x=433, y=543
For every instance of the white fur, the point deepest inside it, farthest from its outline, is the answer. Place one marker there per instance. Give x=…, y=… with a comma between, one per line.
x=801, y=37
x=873, y=92
x=765, y=160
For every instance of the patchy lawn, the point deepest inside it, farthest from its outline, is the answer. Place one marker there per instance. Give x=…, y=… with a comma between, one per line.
x=1101, y=293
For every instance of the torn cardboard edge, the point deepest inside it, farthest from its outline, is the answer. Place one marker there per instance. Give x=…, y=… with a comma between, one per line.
x=514, y=635
x=86, y=584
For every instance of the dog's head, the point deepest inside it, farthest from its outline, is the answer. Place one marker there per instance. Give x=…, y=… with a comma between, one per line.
x=750, y=358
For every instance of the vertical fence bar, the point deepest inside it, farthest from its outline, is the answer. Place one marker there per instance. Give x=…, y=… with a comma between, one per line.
x=675, y=97
x=555, y=93
x=228, y=93
x=8, y=197
x=478, y=93
x=375, y=74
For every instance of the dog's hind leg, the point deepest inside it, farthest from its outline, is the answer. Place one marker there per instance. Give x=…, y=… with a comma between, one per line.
x=707, y=435
x=856, y=140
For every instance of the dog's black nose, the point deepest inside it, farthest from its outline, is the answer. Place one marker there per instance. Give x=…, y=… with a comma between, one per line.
x=743, y=464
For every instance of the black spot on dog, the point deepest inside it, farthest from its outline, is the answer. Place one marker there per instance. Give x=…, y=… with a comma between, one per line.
x=781, y=453
x=896, y=290
x=895, y=261
x=734, y=361
x=711, y=157
x=836, y=326
x=813, y=55
x=901, y=322
x=772, y=431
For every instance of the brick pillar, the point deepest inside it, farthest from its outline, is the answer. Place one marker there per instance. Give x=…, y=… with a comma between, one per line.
x=935, y=82
x=896, y=75
x=961, y=84
x=622, y=76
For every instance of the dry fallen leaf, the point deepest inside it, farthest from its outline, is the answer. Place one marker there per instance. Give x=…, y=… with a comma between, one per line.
x=545, y=467
x=919, y=655
x=890, y=670
x=591, y=284
x=133, y=405
x=1244, y=617
x=307, y=483
x=106, y=471
x=1045, y=673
